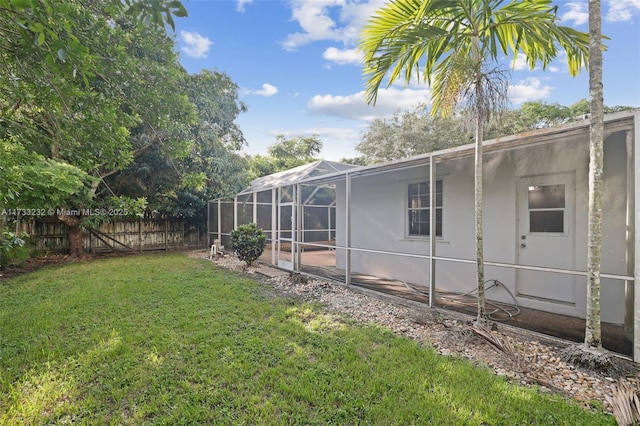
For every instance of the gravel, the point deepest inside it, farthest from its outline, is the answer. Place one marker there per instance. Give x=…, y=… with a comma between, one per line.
x=526, y=358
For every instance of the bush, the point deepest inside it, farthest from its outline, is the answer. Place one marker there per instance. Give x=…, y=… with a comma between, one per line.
x=13, y=250
x=248, y=242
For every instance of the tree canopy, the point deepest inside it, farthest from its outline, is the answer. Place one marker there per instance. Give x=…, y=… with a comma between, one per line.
x=286, y=153
x=96, y=109
x=415, y=132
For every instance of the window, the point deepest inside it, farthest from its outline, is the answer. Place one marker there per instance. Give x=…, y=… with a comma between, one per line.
x=546, y=208
x=419, y=210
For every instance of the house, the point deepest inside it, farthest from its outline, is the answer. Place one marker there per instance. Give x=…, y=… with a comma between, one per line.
x=535, y=200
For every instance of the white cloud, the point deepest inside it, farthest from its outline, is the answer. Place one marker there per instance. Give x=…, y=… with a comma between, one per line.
x=332, y=20
x=577, y=14
x=342, y=56
x=339, y=133
x=240, y=4
x=266, y=91
x=355, y=107
x=622, y=10
x=314, y=18
x=195, y=45
x=520, y=63
x=554, y=69
x=529, y=89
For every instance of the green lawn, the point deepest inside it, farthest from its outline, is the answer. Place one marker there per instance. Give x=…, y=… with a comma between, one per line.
x=167, y=339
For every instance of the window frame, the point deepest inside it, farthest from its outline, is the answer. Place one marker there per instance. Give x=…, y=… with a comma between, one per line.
x=547, y=209
x=407, y=210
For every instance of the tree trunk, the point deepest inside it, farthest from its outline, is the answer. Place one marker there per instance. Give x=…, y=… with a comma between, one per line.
x=593, y=337
x=479, y=135
x=76, y=244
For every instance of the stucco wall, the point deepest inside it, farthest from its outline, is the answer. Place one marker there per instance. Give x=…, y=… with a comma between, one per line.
x=378, y=221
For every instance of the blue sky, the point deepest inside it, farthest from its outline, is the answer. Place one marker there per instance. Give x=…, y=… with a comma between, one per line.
x=299, y=73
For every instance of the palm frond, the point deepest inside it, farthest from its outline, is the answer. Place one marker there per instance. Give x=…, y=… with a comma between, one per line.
x=408, y=37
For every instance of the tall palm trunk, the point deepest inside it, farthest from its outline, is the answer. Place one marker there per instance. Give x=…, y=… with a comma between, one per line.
x=479, y=136
x=593, y=337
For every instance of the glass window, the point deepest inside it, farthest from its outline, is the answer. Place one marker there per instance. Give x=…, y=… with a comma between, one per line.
x=546, y=197
x=418, y=209
x=546, y=208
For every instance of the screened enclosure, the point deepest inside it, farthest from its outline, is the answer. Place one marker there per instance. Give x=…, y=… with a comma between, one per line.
x=278, y=203
x=407, y=227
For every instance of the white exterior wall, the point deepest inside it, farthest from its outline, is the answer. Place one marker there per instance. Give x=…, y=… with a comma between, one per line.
x=379, y=216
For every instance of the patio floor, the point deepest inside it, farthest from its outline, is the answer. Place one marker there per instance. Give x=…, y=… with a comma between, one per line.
x=322, y=264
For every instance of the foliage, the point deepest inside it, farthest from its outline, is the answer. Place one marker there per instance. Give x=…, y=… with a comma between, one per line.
x=167, y=339
x=96, y=86
x=248, y=242
x=410, y=133
x=31, y=181
x=211, y=168
x=13, y=250
x=286, y=154
x=356, y=161
x=416, y=132
x=392, y=42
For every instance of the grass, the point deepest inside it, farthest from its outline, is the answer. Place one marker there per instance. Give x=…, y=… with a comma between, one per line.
x=167, y=339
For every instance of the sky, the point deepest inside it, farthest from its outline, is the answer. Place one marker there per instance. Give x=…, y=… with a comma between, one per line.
x=299, y=72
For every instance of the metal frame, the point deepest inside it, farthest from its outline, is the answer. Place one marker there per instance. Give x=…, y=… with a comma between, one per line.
x=616, y=122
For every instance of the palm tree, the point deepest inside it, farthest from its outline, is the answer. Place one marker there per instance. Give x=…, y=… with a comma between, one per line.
x=592, y=337
x=451, y=42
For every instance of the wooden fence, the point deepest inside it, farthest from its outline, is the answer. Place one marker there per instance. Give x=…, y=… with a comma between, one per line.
x=126, y=235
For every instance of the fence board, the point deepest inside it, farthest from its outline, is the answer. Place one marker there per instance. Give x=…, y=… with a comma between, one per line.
x=52, y=236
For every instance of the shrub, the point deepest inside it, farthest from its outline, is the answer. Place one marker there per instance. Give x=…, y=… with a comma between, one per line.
x=248, y=242
x=12, y=249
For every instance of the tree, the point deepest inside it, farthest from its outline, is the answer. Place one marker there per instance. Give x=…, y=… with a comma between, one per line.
x=454, y=41
x=410, y=133
x=356, y=161
x=416, y=132
x=593, y=337
x=181, y=187
x=286, y=154
x=80, y=83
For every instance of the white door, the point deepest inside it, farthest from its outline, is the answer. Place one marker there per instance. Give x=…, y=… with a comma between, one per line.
x=286, y=227
x=546, y=236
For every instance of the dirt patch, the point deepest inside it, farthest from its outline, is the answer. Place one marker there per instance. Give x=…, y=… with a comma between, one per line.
x=33, y=264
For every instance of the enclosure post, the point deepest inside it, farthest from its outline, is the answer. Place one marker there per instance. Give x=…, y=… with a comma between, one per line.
x=219, y=225
x=628, y=285
x=347, y=233
x=255, y=208
x=274, y=224
x=636, y=241
x=140, y=231
x=432, y=231
x=298, y=227
x=235, y=212
x=329, y=224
